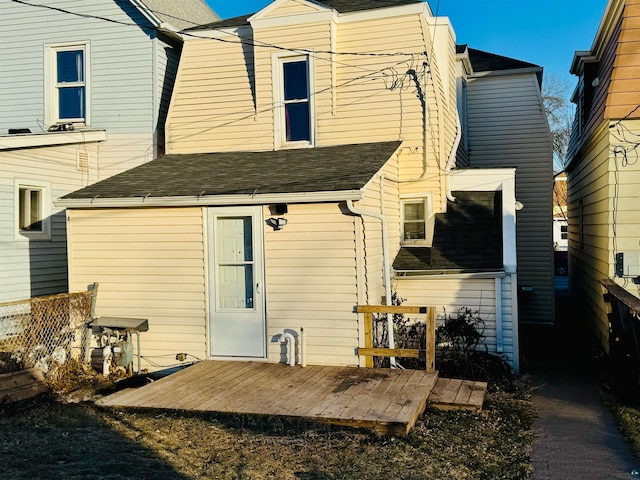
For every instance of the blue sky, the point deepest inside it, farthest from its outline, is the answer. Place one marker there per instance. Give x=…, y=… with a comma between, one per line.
x=544, y=32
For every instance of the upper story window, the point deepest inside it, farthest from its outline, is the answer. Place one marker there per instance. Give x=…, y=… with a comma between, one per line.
x=67, y=78
x=416, y=221
x=294, y=105
x=32, y=209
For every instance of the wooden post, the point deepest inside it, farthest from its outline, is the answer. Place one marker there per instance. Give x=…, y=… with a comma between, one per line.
x=431, y=340
x=368, y=337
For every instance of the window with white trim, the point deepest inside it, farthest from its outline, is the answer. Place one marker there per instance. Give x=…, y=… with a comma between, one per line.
x=294, y=105
x=32, y=209
x=67, y=78
x=416, y=221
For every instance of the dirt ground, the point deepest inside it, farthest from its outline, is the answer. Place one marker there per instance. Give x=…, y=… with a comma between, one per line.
x=50, y=438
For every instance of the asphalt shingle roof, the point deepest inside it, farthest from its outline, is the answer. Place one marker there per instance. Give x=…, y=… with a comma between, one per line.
x=341, y=6
x=467, y=238
x=183, y=13
x=336, y=168
x=488, y=62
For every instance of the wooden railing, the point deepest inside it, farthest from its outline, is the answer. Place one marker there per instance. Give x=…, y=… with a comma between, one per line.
x=623, y=311
x=369, y=351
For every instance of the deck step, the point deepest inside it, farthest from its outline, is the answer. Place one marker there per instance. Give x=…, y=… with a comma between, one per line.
x=455, y=394
x=22, y=385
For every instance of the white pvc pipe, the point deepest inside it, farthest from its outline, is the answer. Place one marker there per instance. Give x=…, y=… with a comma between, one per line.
x=288, y=338
x=387, y=265
x=303, y=348
x=499, y=330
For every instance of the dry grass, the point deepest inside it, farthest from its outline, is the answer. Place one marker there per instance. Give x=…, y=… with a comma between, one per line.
x=45, y=438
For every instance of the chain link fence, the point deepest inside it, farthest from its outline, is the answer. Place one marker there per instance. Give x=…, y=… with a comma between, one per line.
x=49, y=332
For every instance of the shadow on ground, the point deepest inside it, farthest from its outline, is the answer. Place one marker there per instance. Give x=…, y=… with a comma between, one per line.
x=565, y=348
x=45, y=439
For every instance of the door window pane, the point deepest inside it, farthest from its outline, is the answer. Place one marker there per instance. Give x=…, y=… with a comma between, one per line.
x=235, y=287
x=234, y=240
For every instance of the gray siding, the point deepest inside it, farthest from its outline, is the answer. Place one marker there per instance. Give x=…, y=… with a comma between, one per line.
x=121, y=63
x=507, y=128
x=131, y=74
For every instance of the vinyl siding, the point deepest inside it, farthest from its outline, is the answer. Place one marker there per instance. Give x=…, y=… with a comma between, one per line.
x=449, y=296
x=607, y=187
x=224, y=94
x=603, y=186
x=149, y=263
x=507, y=128
x=311, y=282
x=121, y=63
x=623, y=93
x=38, y=267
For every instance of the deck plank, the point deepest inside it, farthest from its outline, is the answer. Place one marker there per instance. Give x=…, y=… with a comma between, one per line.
x=388, y=400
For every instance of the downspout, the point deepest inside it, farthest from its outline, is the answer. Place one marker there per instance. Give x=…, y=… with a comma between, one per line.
x=385, y=257
x=499, y=333
x=452, y=158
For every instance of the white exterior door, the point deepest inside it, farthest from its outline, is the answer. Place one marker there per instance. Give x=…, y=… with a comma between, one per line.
x=236, y=293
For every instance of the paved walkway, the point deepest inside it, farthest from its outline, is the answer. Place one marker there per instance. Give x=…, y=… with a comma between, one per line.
x=576, y=434
x=577, y=438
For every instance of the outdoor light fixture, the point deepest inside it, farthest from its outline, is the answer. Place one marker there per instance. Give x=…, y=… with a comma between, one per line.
x=277, y=223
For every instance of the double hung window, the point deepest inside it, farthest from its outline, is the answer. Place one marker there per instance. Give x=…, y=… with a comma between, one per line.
x=294, y=106
x=68, y=83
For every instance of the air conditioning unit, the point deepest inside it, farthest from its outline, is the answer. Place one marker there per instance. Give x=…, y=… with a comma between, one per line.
x=628, y=264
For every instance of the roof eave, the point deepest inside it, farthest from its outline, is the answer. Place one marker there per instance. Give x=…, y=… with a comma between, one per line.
x=209, y=200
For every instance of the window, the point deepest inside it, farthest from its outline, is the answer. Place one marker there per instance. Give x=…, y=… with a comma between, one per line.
x=68, y=83
x=416, y=221
x=32, y=210
x=292, y=94
x=564, y=232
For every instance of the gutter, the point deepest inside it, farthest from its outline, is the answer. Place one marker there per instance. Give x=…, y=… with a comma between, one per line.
x=208, y=200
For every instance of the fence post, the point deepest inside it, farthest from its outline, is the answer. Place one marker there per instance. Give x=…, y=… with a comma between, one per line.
x=431, y=340
x=368, y=337
x=93, y=288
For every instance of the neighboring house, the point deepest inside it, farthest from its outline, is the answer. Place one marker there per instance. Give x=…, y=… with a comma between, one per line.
x=603, y=171
x=310, y=168
x=84, y=90
x=507, y=127
x=560, y=218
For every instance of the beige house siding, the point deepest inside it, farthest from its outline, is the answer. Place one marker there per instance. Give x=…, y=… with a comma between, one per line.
x=604, y=187
x=311, y=282
x=507, y=128
x=224, y=92
x=603, y=181
x=449, y=295
x=150, y=263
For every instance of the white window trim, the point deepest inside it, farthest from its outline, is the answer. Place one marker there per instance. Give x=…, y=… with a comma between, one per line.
x=279, y=127
x=429, y=219
x=51, y=114
x=45, y=188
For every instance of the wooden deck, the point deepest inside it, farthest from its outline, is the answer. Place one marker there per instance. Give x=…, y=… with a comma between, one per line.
x=389, y=401
x=455, y=394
